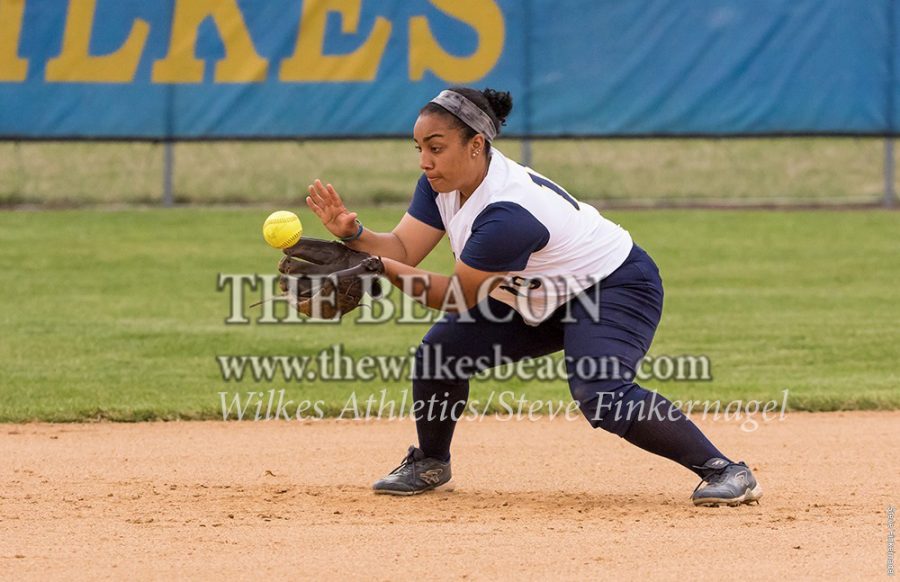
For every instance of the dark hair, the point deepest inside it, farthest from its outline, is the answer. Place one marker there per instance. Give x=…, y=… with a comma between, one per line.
x=497, y=105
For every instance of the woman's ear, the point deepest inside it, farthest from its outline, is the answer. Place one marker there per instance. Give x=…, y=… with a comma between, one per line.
x=477, y=145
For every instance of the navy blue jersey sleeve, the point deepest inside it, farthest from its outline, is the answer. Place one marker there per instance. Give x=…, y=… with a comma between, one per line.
x=424, y=206
x=503, y=237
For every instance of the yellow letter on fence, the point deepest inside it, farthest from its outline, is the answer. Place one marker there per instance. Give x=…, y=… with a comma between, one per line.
x=425, y=54
x=242, y=64
x=76, y=65
x=12, y=68
x=309, y=64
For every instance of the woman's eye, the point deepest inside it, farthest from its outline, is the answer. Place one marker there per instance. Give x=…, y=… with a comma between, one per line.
x=435, y=150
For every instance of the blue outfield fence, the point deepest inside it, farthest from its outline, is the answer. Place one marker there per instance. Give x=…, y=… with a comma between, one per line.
x=224, y=69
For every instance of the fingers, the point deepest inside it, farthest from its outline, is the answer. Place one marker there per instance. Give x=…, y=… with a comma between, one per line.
x=314, y=207
x=319, y=194
x=324, y=200
x=333, y=195
x=319, y=203
x=325, y=195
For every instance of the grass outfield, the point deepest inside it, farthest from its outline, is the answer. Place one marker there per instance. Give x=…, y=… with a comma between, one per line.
x=115, y=314
x=626, y=171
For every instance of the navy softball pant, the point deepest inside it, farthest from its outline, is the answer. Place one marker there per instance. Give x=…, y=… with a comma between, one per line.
x=630, y=306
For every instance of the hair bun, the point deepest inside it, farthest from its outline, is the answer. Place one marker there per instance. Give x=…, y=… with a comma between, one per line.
x=501, y=102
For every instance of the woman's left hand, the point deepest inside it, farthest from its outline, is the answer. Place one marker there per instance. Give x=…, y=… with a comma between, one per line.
x=328, y=206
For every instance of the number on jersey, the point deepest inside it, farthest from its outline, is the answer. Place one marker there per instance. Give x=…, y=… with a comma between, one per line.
x=544, y=182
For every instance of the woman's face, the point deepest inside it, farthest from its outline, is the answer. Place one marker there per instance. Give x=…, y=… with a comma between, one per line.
x=448, y=161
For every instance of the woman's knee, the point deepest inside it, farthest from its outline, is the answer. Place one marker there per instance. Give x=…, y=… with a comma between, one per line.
x=434, y=364
x=612, y=405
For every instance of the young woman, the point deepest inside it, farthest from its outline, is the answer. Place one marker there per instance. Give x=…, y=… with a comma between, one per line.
x=538, y=271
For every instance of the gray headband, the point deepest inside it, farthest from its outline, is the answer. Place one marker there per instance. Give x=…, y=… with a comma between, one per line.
x=468, y=112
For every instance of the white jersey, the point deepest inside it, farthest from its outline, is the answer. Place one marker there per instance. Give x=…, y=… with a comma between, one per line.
x=551, y=246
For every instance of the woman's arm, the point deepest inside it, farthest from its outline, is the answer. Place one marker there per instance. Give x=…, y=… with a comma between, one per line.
x=469, y=286
x=409, y=242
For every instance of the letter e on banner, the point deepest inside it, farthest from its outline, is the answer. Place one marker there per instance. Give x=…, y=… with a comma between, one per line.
x=308, y=63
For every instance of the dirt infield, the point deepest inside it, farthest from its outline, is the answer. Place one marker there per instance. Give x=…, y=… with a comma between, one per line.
x=545, y=499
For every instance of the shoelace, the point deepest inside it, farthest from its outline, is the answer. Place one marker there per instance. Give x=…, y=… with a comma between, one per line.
x=410, y=459
x=713, y=478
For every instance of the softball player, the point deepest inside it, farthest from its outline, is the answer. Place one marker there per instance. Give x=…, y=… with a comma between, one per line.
x=538, y=272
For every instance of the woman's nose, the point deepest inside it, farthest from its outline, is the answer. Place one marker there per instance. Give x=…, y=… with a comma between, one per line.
x=425, y=161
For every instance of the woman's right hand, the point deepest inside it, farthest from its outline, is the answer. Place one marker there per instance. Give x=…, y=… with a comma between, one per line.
x=328, y=206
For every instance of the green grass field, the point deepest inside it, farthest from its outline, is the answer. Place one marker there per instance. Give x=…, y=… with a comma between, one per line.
x=116, y=314
x=615, y=172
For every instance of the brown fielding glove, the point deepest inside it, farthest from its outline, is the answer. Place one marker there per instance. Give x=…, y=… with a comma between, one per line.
x=324, y=279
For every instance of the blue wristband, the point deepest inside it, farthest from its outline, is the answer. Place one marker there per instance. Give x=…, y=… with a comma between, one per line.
x=355, y=236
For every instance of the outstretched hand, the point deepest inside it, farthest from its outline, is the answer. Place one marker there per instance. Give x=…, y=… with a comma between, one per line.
x=328, y=206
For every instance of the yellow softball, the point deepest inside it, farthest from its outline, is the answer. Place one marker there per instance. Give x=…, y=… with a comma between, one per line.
x=282, y=229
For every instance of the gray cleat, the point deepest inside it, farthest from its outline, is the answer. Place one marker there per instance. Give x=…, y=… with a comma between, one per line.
x=728, y=483
x=416, y=474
